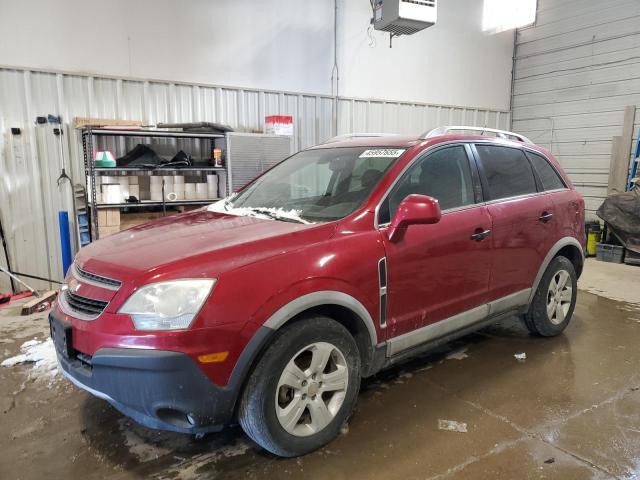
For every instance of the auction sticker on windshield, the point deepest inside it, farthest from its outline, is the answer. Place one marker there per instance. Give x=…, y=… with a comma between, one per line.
x=383, y=152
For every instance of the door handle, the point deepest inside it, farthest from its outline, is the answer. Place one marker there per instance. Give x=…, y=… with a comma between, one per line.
x=545, y=217
x=480, y=234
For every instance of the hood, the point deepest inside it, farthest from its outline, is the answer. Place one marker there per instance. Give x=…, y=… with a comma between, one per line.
x=197, y=244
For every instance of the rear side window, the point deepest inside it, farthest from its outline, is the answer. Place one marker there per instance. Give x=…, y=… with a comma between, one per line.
x=507, y=172
x=547, y=174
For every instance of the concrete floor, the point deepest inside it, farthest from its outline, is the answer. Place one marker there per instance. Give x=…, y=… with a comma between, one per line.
x=571, y=410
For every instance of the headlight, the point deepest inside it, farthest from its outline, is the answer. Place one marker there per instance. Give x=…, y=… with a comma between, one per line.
x=167, y=305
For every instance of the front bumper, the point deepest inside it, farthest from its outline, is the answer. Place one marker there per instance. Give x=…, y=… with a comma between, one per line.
x=158, y=389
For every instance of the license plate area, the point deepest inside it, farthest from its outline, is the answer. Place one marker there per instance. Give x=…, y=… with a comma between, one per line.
x=61, y=335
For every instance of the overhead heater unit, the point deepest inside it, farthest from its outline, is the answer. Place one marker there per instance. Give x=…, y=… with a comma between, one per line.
x=404, y=17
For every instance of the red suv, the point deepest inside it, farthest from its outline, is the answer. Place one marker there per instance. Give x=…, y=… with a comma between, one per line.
x=270, y=306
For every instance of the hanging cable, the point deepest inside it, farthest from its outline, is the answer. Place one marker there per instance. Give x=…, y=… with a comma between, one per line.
x=335, y=73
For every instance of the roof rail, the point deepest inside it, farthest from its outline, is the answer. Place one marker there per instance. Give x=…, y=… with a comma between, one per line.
x=350, y=136
x=498, y=133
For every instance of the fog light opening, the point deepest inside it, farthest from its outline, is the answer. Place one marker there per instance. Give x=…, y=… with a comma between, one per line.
x=176, y=417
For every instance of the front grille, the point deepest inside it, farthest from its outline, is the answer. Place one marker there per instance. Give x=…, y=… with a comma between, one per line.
x=92, y=277
x=84, y=305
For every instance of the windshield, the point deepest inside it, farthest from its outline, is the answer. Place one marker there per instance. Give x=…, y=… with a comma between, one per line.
x=315, y=185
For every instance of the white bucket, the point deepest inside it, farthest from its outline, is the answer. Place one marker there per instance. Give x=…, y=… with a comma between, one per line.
x=190, y=191
x=178, y=189
x=111, y=193
x=124, y=187
x=156, y=193
x=202, y=191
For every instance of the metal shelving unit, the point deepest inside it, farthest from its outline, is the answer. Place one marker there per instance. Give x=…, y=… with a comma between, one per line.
x=119, y=171
x=153, y=203
x=89, y=141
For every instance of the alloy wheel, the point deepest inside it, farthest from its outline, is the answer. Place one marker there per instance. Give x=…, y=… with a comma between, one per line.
x=559, y=297
x=312, y=389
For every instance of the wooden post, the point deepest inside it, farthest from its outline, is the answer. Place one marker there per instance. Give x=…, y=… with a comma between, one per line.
x=621, y=154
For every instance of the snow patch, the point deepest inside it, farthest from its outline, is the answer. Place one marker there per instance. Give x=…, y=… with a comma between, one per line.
x=521, y=357
x=41, y=354
x=265, y=213
x=452, y=426
x=458, y=354
x=191, y=469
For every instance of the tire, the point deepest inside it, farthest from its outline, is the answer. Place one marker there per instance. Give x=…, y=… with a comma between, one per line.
x=551, y=309
x=270, y=390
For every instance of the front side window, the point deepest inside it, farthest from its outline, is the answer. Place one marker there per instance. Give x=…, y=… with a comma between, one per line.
x=507, y=172
x=548, y=176
x=444, y=175
x=320, y=184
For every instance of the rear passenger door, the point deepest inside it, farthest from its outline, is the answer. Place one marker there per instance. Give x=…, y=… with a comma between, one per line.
x=522, y=219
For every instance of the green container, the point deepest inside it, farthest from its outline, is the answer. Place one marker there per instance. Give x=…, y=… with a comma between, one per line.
x=105, y=159
x=105, y=163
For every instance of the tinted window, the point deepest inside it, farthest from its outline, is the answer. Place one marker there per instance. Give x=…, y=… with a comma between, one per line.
x=548, y=176
x=507, y=172
x=444, y=175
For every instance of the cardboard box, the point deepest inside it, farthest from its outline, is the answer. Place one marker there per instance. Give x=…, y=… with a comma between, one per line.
x=106, y=231
x=278, y=125
x=128, y=220
x=80, y=122
x=109, y=217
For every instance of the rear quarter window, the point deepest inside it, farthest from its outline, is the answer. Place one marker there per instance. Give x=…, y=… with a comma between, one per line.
x=507, y=172
x=548, y=176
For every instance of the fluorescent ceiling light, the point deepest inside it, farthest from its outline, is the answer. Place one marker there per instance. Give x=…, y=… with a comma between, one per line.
x=501, y=15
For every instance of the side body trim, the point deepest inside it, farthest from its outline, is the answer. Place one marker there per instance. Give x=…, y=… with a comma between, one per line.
x=457, y=322
x=382, y=285
x=323, y=297
x=553, y=251
x=514, y=300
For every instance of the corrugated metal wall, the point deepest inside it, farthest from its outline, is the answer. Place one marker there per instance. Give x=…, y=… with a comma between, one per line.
x=30, y=163
x=576, y=70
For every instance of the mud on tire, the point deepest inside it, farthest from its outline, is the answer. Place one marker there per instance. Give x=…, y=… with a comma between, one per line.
x=292, y=403
x=555, y=299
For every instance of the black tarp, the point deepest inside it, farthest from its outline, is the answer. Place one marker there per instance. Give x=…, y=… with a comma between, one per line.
x=621, y=212
x=143, y=156
x=198, y=127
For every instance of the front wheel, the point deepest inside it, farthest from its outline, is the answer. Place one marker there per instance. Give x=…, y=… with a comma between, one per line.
x=303, y=388
x=555, y=299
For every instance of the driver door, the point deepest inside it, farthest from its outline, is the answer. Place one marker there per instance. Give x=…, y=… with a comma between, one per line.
x=437, y=271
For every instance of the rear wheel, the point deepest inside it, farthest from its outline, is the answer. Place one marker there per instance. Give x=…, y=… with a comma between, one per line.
x=555, y=299
x=303, y=388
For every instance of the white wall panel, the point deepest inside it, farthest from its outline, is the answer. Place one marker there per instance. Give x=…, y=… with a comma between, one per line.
x=576, y=69
x=29, y=164
x=271, y=44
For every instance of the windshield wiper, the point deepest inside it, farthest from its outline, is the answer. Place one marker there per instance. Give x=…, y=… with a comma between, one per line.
x=271, y=214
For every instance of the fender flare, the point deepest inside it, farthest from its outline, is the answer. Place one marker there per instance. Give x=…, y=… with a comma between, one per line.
x=317, y=299
x=553, y=251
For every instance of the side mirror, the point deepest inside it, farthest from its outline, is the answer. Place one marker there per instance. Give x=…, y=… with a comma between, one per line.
x=414, y=210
